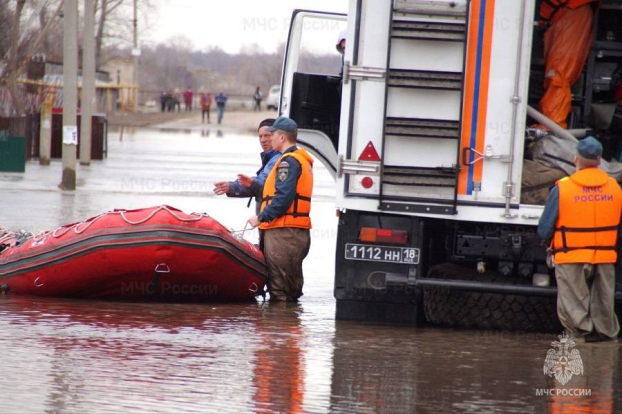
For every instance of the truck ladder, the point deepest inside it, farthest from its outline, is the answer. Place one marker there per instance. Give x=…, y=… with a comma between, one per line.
x=420, y=25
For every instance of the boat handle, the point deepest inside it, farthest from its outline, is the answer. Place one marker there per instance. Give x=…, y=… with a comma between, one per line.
x=256, y=288
x=166, y=269
x=37, y=284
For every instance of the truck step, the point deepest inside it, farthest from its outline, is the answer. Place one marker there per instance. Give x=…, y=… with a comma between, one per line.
x=430, y=8
x=405, y=29
x=417, y=208
x=422, y=128
x=419, y=176
x=425, y=79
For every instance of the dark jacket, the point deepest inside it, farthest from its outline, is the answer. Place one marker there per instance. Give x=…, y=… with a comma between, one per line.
x=221, y=100
x=268, y=159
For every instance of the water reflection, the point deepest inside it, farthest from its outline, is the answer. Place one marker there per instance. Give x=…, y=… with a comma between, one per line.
x=387, y=369
x=175, y=131
x=132, y=357
x=279, y=366
x=601, y=365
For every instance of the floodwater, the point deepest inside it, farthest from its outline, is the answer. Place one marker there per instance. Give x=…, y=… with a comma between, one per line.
x=64, y=355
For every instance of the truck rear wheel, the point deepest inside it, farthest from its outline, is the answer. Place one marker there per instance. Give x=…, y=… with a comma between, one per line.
x=445, y=306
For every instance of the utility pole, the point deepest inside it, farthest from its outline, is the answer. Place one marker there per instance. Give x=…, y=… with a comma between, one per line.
x=135, y=55
x=45, y=130
x=88, y=81
x=70, y=93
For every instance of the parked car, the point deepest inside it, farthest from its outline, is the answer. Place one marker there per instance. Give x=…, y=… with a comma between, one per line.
x=274, y=95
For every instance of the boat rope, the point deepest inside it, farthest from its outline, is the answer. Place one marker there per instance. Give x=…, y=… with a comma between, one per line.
x=6, y=235
x=82, y=226
x=241, y=236
x=198, y=217
x=9, y=238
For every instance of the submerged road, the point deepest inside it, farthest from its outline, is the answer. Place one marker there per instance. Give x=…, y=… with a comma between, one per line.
x=77, y=356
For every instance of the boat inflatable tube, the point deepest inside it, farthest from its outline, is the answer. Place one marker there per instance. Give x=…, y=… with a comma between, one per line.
x=151, y=254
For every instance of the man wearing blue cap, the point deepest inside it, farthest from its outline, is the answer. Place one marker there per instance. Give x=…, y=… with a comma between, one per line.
x=581, y=218
x=285, y=213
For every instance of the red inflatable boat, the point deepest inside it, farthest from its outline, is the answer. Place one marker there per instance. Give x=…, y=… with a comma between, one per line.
x=157, y=253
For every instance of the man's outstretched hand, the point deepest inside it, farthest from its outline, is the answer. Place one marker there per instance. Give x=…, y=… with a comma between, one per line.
x=245, y=180
x=221, y=187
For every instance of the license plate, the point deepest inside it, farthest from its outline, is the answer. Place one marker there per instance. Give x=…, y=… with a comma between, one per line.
x=406, y=255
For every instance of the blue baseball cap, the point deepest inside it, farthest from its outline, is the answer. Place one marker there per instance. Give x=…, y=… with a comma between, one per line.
x=284, y=124
x=590, y=148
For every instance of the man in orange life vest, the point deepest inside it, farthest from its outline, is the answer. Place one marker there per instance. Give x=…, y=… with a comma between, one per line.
x=582, y=216
x=284, y=214
x=567, y=43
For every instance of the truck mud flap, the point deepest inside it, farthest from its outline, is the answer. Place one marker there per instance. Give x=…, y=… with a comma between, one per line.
x=374, y=311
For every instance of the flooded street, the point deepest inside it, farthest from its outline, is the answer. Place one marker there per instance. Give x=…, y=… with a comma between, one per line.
x=65, y=355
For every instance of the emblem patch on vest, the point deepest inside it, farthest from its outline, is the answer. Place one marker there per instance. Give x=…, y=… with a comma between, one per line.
x=282, y=170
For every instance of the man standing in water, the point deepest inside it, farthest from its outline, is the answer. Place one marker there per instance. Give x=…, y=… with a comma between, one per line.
x=284, y=213
x=582, y=216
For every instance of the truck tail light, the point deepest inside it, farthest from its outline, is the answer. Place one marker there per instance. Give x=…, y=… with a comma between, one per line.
x=374, y=235
x=367, y=182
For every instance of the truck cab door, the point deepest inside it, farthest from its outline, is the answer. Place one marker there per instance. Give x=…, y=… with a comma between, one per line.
x=313, y=100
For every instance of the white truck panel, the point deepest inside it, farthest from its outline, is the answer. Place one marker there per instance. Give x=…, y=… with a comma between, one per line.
x=373, y=34
x=407, y=55
x=433, y=152
x=424, y=103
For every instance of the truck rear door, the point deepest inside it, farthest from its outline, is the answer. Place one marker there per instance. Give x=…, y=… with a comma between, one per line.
x=311, y=91
x=427, y=113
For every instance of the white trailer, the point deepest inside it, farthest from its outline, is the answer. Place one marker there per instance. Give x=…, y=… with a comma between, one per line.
x=426, y=136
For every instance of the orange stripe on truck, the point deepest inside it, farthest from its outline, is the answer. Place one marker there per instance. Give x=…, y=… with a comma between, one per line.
x=479, y=45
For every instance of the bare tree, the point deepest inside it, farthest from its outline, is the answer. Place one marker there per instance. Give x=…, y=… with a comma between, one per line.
x=114, y=26
x=173, y=64
x=13, y=57
x=45, y=26
x=101, y=24
x=6, y=19
x=21, y=39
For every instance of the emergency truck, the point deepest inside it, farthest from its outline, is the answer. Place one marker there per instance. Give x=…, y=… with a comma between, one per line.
x=427, y=134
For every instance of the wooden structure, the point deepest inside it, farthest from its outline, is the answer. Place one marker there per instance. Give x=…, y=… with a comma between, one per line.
x=110, y=97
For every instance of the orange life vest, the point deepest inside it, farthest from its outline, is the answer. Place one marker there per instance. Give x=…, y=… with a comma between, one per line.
x=297, y=214
x=549, y=8
x=590, y=203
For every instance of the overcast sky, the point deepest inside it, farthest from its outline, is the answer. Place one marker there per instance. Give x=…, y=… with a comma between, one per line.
x=231, y=24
